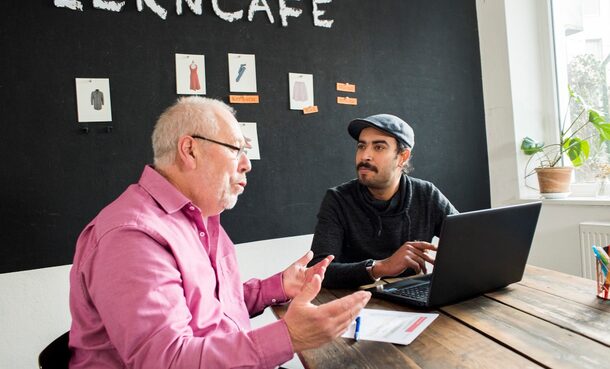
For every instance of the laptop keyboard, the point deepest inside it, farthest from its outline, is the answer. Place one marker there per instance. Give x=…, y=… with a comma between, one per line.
x=418, y=292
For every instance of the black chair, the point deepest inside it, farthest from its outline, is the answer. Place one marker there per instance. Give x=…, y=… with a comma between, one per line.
x=56, y=355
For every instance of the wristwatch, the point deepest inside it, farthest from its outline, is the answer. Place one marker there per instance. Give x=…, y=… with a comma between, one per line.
x=370, y=263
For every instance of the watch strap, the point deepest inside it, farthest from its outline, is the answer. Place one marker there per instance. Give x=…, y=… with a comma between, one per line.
x=370, y=263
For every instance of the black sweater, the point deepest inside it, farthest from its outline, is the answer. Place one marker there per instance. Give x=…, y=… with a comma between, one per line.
x=350, y=228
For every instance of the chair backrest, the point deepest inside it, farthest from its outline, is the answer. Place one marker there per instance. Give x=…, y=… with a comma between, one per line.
x=56, y=355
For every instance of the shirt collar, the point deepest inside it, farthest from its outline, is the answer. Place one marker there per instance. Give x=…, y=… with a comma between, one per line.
x=164, y=193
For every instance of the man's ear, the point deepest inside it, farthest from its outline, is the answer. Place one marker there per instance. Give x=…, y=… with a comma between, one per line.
x=404, y=157
x=186, y=154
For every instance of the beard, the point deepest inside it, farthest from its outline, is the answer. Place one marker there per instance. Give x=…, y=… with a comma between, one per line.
x=365, y=179
x=375, y=179
x=228, y=201
x=227, y=196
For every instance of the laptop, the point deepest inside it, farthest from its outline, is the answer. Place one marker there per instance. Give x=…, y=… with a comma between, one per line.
x=478, y=252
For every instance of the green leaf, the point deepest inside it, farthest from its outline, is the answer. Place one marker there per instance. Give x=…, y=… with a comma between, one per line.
x=577, y=150
x=575, y=96
x=530, y=147
x=604, y=131
x=595, y=117
x=600, y=123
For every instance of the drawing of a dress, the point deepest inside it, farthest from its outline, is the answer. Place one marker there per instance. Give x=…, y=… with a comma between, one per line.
x=194, y=77
x=299, y=91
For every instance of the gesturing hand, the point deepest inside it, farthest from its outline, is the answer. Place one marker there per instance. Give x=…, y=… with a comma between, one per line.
x=297, y=274
x=311, y=326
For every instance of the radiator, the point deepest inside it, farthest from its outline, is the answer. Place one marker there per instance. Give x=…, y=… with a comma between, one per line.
x=592, y=233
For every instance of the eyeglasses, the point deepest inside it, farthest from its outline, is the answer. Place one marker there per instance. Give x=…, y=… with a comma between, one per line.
x=240, y=150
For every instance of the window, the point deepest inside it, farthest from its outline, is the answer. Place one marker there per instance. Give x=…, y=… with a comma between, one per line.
x=590, y=7
x=581, y=30
x=594, y=47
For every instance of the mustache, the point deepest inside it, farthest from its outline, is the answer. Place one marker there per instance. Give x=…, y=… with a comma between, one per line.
x=364, y=164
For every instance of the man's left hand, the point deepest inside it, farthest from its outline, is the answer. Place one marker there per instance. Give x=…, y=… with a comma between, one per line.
x=297, y=274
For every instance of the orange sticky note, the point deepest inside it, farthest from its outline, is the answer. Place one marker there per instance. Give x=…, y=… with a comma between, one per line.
x=347, y=100
x=346, y=87
x=310, y=109
x=243, y=99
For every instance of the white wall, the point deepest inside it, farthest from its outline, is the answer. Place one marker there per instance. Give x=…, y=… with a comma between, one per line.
x=34, y=311
x=34, y=304
x=556, y=242
x=518, y=87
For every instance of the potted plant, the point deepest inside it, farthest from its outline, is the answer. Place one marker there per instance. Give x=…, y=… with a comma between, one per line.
x=553, y=177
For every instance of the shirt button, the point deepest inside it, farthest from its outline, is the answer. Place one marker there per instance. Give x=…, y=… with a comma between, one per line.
x=191, y=208
x=201, y=234
x=273, y=301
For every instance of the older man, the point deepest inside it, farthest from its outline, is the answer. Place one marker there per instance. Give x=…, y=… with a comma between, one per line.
x=380, y=224
x=155, y=283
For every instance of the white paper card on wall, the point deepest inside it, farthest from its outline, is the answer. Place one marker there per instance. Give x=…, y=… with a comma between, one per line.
x=93, y=100
x=249, y=131
x=242, y=73
x=190, y=74
x=300, y=88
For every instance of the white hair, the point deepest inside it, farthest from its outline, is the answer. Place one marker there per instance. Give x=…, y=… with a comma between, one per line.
x=188, y=116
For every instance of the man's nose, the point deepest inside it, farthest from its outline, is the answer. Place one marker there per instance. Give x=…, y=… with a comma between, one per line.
x=244, y=164
x=366, y=154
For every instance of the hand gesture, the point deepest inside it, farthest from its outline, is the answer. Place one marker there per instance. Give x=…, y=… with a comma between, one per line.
x=297, y=274
x=311, y=326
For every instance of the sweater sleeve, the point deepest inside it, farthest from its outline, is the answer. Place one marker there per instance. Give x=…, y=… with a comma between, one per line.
x=329, y=239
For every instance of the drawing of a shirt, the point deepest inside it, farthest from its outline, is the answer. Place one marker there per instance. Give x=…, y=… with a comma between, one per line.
x=97, y=99
x=194, y=77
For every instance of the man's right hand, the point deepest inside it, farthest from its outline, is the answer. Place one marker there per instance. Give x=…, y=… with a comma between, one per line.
x=311, y=326
x=412, y=254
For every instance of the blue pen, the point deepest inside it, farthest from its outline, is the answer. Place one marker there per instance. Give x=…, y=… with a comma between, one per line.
x=601, y=260
x=357, y=331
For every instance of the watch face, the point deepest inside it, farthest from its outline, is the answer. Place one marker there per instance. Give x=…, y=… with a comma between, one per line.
x=370, y=263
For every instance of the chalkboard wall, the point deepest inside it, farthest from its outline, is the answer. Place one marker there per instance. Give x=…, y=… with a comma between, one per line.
x=415, y=59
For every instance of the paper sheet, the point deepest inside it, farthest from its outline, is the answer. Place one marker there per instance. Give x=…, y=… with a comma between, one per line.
x=390, y=326
x=249, y=131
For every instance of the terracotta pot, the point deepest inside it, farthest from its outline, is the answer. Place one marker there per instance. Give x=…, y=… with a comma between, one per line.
x=554, y=180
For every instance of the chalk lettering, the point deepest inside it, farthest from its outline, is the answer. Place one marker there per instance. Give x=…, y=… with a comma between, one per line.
x=317, y=13
x=158, y=9
x=286, y=12
x=70, y=4
x=194, y=5
x=229, y=17
x=257, y=6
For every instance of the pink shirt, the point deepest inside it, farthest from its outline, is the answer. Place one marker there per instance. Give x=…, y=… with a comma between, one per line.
x=152, y=287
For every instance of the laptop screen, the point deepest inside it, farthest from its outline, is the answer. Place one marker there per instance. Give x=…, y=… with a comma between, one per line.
x=482, y=250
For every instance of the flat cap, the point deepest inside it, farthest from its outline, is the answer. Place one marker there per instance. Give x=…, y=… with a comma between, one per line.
x=388, y=123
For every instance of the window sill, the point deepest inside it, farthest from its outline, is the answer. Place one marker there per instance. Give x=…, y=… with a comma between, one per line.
x=581, y=194
x=572, y=200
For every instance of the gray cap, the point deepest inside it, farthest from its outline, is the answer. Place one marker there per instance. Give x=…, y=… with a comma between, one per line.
x=385, y=122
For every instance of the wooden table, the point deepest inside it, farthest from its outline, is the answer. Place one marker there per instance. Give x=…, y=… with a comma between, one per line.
x=548, y=320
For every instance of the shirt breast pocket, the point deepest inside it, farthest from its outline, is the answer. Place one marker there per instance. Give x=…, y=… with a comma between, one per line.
x=230, y=287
